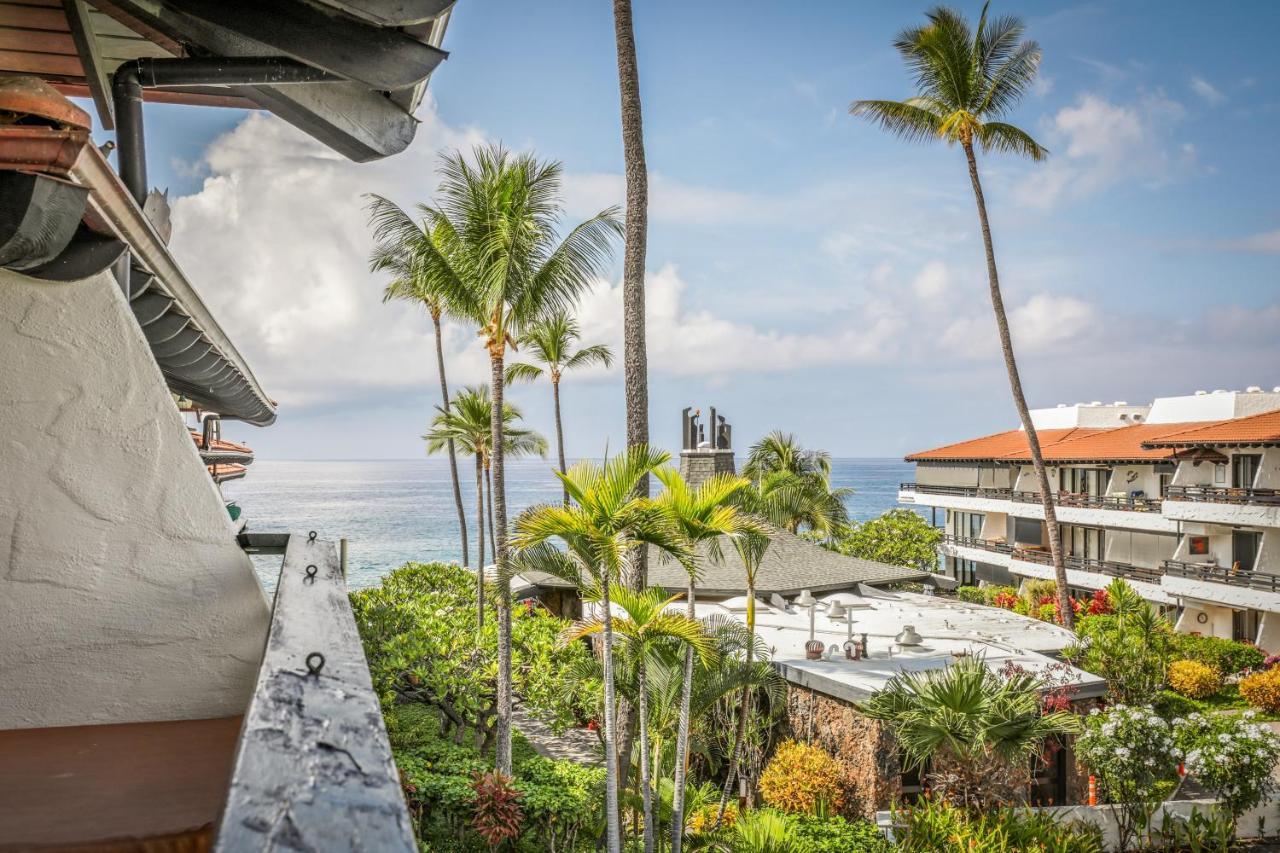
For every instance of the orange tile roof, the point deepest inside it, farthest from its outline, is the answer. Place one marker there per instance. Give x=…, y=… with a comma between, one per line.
x=1001, y=445
x=218, y=443
x=1115, y=444
x=1254, y=429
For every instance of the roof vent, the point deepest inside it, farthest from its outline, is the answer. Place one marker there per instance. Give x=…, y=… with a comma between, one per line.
x=1062, y=405
x=1123, y=416
x=1201, y=393
x=1276, y=390
x=1137, y=417
x=1120, y=403
x=1096, y=403
x=1253, y=389
x=1220, y=390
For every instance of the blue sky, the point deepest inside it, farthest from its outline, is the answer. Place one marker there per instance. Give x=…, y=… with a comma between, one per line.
x=808, y=272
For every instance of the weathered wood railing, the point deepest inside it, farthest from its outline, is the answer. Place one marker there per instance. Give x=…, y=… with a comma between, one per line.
x=313, y=768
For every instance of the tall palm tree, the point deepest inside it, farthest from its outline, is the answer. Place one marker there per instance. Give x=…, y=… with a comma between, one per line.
x=976, y=729
x=602, y=531
x=467, y=424
x=502, y=264
x=966, y=81
x=551, y=342
x=781, y=451
x=648, y=623
x=399, y=250
x=705, y=515
x=795, y=501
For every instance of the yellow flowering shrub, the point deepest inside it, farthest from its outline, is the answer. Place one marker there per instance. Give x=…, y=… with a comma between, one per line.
x=1262, y=690
x=1193, y=679
x=799, y=777
x=705, y=818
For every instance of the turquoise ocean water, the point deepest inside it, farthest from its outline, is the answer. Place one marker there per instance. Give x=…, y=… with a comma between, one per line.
x=395, y=511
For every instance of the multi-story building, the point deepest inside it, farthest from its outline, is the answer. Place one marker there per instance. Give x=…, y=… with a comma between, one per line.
x=1181, y=498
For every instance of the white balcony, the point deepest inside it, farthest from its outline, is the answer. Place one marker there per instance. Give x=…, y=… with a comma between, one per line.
x=1230, y=506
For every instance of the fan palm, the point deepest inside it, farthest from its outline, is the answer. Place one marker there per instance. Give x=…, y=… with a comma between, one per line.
x=967, y=81
x=551, y=342
x=399, y=250
x=602, y=530
x=647, y=623
x=704, y=514
x=975, y=730
x=466, y=424
x=497, y=257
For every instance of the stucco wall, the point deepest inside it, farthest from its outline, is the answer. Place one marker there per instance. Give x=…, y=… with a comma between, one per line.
x=123, y=596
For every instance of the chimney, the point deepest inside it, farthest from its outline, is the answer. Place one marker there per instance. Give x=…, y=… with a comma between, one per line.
x=706, y=448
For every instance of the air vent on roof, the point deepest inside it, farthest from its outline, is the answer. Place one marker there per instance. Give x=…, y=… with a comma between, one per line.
x=1220, y=390
x=1137, y=417
x=1096, y=403
x=1201, y=393
x=1062, y=405
x=1253, y=389
x=1119, y=403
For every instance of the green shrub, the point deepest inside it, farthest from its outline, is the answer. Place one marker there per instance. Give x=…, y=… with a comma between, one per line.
x=836, y=835
x=971, y=594
x=1169, y=704
x=935, y=827
x=1228, y=657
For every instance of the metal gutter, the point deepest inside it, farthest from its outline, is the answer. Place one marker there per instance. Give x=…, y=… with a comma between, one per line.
x=233, y=392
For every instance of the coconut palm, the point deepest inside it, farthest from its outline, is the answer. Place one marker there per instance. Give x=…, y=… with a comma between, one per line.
x=966, y=81
x=648, y=622
x=399, y=250
x=780, y=451
x=551, y=342
x=792, y=501
x=602, y=531
x=466, y=424
x=705, y=515
x=497, y=256
x=974, y=729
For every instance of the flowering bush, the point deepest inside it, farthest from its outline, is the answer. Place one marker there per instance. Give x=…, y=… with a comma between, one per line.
x=1231, y=755
x=1226, y=656
x=1099, y=604
x=800, y=777
x=1007, y=600
x=1133, y=753
x=1194, y=679
x=1262, y=690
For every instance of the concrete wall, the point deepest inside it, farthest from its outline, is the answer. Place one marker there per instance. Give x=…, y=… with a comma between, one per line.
x=969, y=475
x=1148, y=550
x=123, y=596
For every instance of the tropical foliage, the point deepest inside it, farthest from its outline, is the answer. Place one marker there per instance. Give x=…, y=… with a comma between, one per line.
x=1232, y=756
x=900, y=537
x=1194, y=679
x=1262, y=690
x=1129, y=647
x=934, y=826
x=803, y=779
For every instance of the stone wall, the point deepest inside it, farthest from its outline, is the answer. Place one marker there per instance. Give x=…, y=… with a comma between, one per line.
x=867, y=751
x=698, y=466
x=123, y=595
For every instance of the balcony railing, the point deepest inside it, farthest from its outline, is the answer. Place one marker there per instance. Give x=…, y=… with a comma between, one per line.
x=1223, y=574
x=313, y=768
x=1126, y=503
x=994, y=545
x=1223, y=495
x=1091, y=564
x=957, y=491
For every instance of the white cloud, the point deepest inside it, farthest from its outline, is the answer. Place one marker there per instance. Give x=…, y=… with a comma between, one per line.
x=1207, y=91
x=1096, y=143
x=1267, y=242
x=670, y=201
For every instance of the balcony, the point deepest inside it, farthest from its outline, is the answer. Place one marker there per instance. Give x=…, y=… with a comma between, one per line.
x=1223, y=495
x=1224, y=575
x=995, y=546
x=1086, y=571
x=1222, y=505
x=1129, y=503
x=971, y=498
x=1222, y=585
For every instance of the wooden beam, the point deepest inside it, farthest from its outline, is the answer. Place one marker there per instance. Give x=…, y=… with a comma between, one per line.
x=41, y=64
x=90, y=60
x=32, y=17
x=313, y=768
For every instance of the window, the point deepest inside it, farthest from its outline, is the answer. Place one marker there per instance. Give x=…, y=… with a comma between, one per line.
x=1089, y=543
x=1244, y=469
x=1083, y=481
x=1219, y=473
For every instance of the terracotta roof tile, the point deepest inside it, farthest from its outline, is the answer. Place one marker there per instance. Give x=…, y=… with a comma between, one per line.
x=1117, y=444
x=997, y=446
x=1254, y=429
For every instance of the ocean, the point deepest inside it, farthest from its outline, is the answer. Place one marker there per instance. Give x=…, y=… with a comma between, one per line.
x=392, y=512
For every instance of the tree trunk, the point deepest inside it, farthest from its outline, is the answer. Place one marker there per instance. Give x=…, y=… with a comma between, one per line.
x=735, y=760
x=613, y=829
x=1019, y=400
x=480, y=565
x=498, y=505
x=555, y=396
x=493, y=537
x=682, y=741
x=453, y=457
x=646, y=794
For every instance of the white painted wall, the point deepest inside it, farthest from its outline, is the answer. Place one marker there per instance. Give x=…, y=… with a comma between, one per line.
x=1102, y=415
x=968, y=476
x=1217, y=620
x=1213, y=406
x=1137, y=548
x=123, y=596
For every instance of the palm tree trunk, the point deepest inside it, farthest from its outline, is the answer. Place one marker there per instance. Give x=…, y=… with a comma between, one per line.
x=613, y=829
x=493, y=537
x=682, y=741
x=498, y=504
x=453, y=457
x=736, y=759
x=555, y=396
x=480, y=565
x=1019, y=400
x=645, y=793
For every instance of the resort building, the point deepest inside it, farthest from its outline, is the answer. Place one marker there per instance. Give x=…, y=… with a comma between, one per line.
x=154, y=697
x=1181, y=498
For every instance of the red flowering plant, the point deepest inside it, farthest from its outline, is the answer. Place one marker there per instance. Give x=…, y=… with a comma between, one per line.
x=1059, y=683
x=498, y=815
x=1006, y=600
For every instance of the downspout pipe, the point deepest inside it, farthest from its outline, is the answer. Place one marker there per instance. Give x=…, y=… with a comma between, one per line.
x=149, y=73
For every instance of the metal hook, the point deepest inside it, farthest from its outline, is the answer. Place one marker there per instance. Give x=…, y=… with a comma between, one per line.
x=311, y=574
x=311, y=537
x=315, y=663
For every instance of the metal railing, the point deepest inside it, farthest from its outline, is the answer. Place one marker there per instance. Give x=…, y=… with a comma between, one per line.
x=957, y=491
x=1224, y=495
x=1091, y=564
x=992, y=545
x=1128, y=503
x=313, y=768
x=1223, y=574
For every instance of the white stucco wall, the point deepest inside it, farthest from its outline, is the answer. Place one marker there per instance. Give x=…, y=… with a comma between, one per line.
x=967, y=475
x=123, y=596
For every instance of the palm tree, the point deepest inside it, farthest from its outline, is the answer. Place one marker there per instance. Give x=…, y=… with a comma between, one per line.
x=647, y=623
x=502, y=264
x=780, y=451
x=602, y=531
x=467, y=424
x=751, y=549
x=398, y=250
x=792, y=501
x=704, y=515
x=975, y=730
x=966, y=82
x=551, y=342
